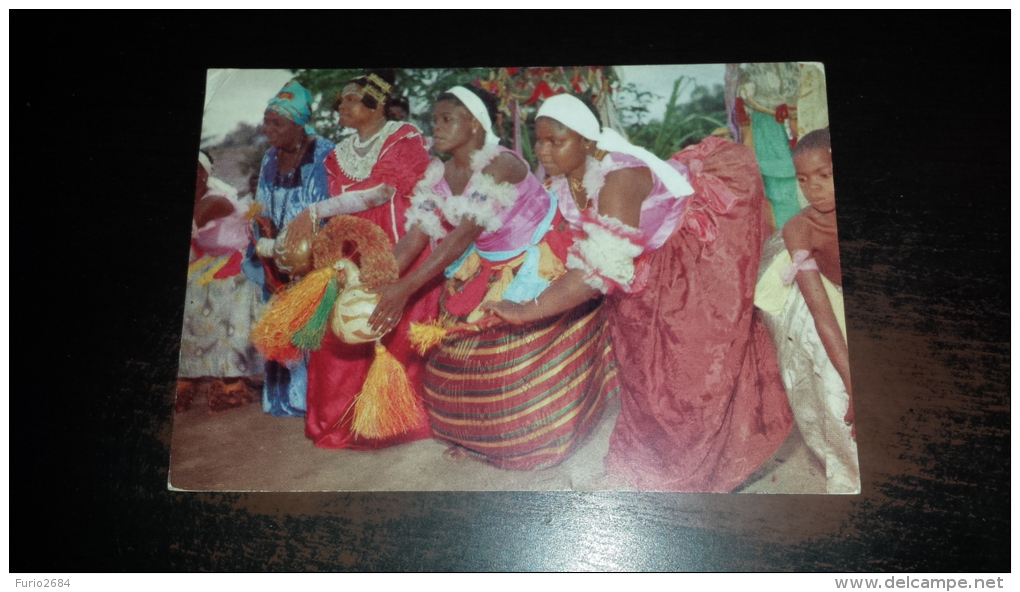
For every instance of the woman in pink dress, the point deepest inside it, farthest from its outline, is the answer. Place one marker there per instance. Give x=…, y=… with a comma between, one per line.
x=370, y=175
x=514, y=397
x=674, y=246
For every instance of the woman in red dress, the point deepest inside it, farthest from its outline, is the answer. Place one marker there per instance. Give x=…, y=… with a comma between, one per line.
x=674, y=245
x=370, y=175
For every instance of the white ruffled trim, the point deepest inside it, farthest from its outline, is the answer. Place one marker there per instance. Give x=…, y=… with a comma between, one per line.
x=459, y=207
x=425, y=202
x=485, y=201
x=481, y=158
x=605, y=252
x=503, y=193
x=433, y=175
x=424, y=213
x=594, y=176
x=594, y=281
x=595, y=173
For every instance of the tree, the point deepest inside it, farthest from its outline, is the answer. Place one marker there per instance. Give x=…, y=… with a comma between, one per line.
x=244, y=134
x=518, y=92
x=419, y=85
x=632, y=104
x=682, y=123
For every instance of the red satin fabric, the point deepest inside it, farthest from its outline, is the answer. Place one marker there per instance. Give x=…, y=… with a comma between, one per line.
x=336, y=371
x=702, y=404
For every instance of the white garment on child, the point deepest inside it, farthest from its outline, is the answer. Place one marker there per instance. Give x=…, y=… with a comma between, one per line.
x=814, y=388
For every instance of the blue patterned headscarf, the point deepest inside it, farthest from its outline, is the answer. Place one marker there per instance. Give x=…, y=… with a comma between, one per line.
x=295, y=103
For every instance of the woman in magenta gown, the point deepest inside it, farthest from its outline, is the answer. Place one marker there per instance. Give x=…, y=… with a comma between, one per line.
x=674, y=246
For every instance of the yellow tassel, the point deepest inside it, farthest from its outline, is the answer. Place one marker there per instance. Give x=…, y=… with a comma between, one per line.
x=387, y=405
x=253, y=210
x=198, y=264
x=286, y=313
x=207, y=276
x=424, y=336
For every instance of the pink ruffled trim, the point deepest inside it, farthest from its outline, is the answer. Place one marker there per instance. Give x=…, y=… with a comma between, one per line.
x=800, y=263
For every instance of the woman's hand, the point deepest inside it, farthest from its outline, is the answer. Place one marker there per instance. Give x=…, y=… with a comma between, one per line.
x=564, y=294
x=298, y=229
x=392, y=302
x=512, y=312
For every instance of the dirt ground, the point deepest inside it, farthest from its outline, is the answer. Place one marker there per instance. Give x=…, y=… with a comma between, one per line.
x=244, y=449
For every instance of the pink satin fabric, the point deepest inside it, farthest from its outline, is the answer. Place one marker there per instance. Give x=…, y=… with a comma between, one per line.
x=223, y=236
x=702, y=404
x=659, y=211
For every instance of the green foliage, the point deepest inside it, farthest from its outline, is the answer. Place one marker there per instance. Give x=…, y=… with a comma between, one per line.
x=683, y=123
x=632, y=104
x=419, y=85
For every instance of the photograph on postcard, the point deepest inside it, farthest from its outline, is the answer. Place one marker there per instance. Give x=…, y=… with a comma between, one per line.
x=515, y=278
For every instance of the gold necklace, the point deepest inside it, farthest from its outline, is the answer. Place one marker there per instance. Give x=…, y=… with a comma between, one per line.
x=577, y=187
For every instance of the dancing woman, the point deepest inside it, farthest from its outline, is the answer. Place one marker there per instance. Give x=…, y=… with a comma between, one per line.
x=515, y=397
x=290, y=180
x=674, y=246
x=370, y=175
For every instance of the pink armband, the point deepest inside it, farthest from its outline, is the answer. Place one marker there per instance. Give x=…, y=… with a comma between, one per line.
x=800, y=263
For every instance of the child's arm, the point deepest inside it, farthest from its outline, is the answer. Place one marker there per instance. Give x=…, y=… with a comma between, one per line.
x=797, y=236
x=810, y=284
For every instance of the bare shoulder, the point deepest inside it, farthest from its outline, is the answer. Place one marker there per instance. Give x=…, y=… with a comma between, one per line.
x=797, y=234
x=506, y=167
x=623, y=192
x=634, y=180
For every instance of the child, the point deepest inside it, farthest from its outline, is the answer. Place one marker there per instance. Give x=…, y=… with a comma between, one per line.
x=813, y=230
x=807, y=324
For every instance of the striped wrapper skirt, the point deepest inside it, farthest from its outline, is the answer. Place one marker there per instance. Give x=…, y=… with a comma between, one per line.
x=523, y=397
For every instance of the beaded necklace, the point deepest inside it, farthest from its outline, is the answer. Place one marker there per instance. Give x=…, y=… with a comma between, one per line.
x=356, y=157
x=288, y=181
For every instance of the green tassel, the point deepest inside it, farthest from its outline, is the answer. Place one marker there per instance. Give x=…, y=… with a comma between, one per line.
x=310, y=335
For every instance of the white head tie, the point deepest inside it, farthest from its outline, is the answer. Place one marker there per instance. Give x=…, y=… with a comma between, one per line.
x=205, y=162
x=477, y=108
x=571, y=112
x=574, y=114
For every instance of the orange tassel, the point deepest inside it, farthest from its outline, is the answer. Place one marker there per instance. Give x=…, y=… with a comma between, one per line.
x=424, y=336
x=287, y=312
x=387, y=405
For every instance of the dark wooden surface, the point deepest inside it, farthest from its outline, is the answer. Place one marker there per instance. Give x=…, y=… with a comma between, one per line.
x=104, y=129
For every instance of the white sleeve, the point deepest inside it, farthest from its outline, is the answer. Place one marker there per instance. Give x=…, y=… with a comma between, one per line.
x=352, y=202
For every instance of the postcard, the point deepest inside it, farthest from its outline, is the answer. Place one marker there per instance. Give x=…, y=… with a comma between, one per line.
x=582, y=278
